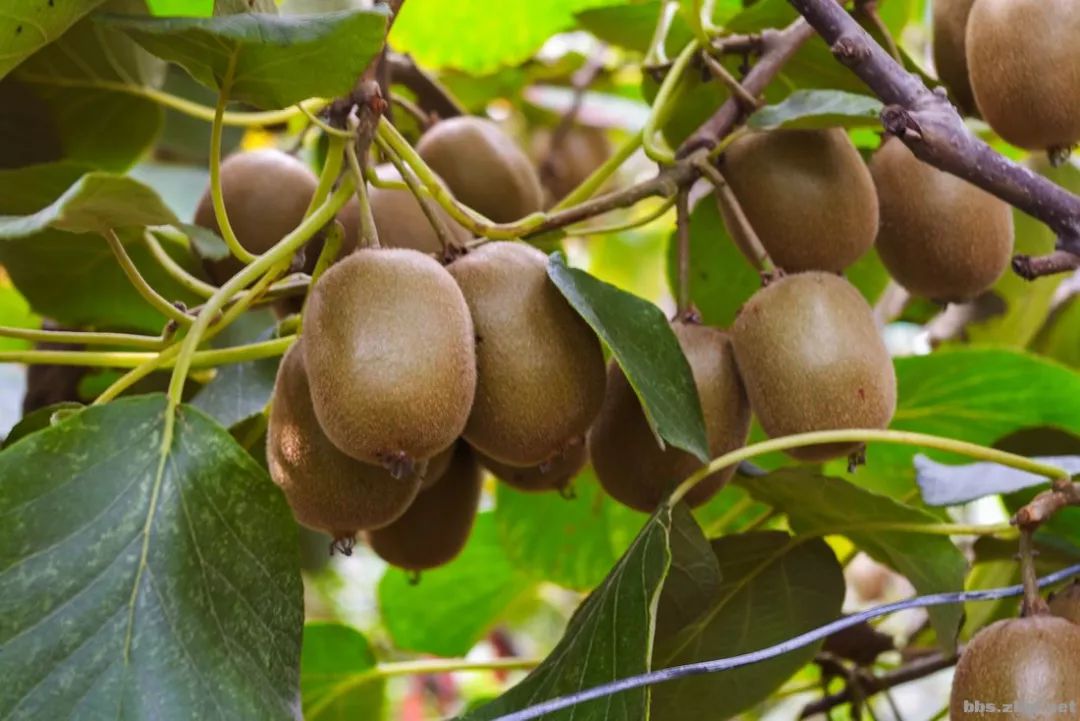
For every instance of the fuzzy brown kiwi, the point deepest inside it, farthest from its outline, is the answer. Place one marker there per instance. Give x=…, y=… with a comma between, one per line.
x=390, y=352
x=1024, y=63
x=1033, y=660
x=327, y=490
x=1066, y=603
x=812, y=359
x=950, y=28
x=436, y=466
x=807, y=194
x=401, y=222
x=581, y=151
x=940, y=237
x=553, y=475
x=483, y=167
x=540, y=368
x=435, y=528
x=625, y=453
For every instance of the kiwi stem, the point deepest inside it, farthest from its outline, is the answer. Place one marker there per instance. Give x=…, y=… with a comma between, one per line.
x=649, y=217
x=369, y=234
x=721, y=73
x=335, y=155
x=868, y=435
x=372, y=176
x=430, y=208
x=128, y=359
x=332, y=241
x=175, y=270
x=155, y=299
x=35, y=335
x=216, y=195
x=330, y=130
x=1034, y=604
x=657, y=53
x=663, y=106
x=682, y=230
x=591, y=184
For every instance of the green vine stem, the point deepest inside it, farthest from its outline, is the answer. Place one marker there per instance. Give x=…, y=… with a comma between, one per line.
x=175, y=270
x=334, y=238
x=906, y=438
x=335, y=154
x=660, y=211
x=83, y=338
x=127, y=359
x=373, y=178
x=591, y=184
x=663, y=106
x=216, y=195
x=657, y=54
x=369, y=234
x=155, y=299
x=427, y=205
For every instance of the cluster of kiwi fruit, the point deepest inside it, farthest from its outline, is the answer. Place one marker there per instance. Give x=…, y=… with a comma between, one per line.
x=1030, y=665
x=1017, y=63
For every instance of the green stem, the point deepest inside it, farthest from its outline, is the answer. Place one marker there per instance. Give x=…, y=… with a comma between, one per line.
x=158, y=301
x=335, y=152
x=427, y=205
x=135, y=375
x=591, y=184
x=663, y=106
x=330, y=130
x=175, y=270
x=127, y=359
x=932, y=529
x=332, y=242
x=906, y=438
x=373, y=177
x=241, y=353
x=216, y=195
x=369, y=234
x=657, y=53
x=260, y=266
x=660, y=211
x=83, y=338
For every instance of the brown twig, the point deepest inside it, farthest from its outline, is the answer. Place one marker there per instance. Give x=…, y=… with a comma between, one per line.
x=1041, y=508
x=1032, y=267
x=736, y=88
x=934, y=131
x=682, y=230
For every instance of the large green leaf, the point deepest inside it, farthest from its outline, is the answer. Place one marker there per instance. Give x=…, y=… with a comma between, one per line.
x=821, y=505
x=83, y=92
x=774, y=587
x=451, y=607
x=819, y=109
x=279, y=60
x=143, y=578
x=646, y=349
x=632, y=26
x=29, y=25
x=610, y=635
x=334, y=658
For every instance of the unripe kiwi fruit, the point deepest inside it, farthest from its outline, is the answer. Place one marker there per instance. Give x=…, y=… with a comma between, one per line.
x=552, y=475
x=807, y=194
x=483, y=167
x=327, y=490
x=940, y=237
x=580, y=152
x=435, y=467
x=1024, y=62
x=266, y=194
x=1066, y=603
x=812, y=359
x=436, y=526
x=390, y=353
x=626, y=454
x=401, y=222
x=1033, y=660
x=540, y=368
x=950, y=28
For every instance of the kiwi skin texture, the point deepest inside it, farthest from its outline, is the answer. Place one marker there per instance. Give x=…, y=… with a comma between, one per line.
x=483, y=167
x=401, y=223
x=327, y=490
x=540, y=368
x=807, y=194
x=950, y=29
x=390, y=352
x=1066, y=603
x=1024, y=63
x=812, y=359
x=1033, y=660
x=553, y=475
x=940, y=237
x=437, y=525
x=625, y=453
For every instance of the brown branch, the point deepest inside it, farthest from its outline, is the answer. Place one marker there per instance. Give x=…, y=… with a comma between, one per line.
x=1046, y=504
x=1032, y=267
x=871, y=685
x=430, y=95
x=934, y=131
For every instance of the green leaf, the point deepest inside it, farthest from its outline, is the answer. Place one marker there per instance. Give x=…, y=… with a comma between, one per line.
x=335, y=656
x=819, y=109
x=15, y=313
x=821, y=505
x=40, y=419
x=721, y=279
x=240, y=391
x=97, y=202
x=774, y=587
x=646, y=349
x=84, y=94
x=609, y=636
x=145, y=579
x=572, y=542
x=192, y=8
x=693, y=583
x=451, y=607
x=632, y=25
x=279, y=60
x=762, y=15
x=28, y=25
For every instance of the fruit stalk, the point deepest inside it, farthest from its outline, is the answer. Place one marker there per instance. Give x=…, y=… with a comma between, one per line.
x=216, y=194
x=155, y=299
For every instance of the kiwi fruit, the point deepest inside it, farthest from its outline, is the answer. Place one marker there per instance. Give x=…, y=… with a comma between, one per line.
x=807, y=194
x=401, y=222
x=1024, y=63
x=1066, y=603
x=327, y=490
x=950, y=28
x=540, y=368
x=390, y=351
x=940, y=237
x=627, y=456
x=580, y=152
x=483, y=167
x=435, y=467
x=435, y=528
x=552, y=475
x=812, y=358
x=1033, y=660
